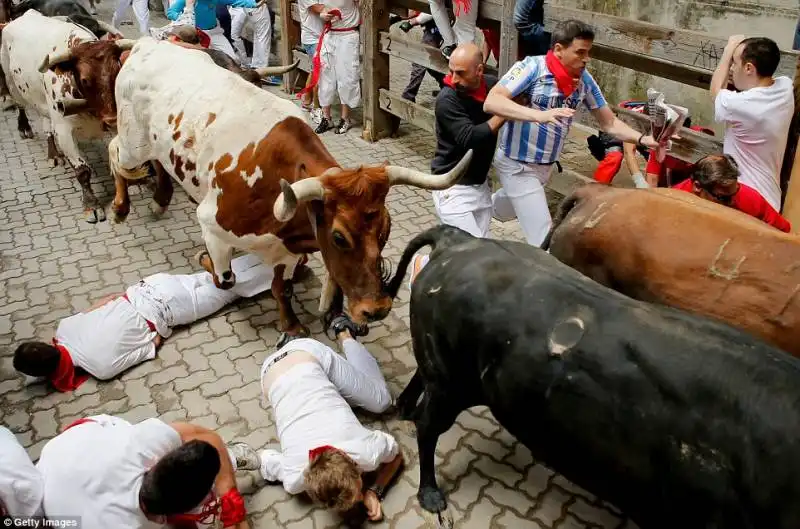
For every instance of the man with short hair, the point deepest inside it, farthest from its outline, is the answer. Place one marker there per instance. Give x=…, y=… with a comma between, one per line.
x=123, y=330
x=532, y=139
x=716, y=178
x=114, y=474
x=757, y=117
x=324, y=449
x=462, y=125
x=21, y=485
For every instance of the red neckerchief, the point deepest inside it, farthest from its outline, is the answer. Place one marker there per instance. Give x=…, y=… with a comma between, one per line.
x=229, y=507
x=318, y=451
x=479, y=94
x=564, y=80
x=205, y=40
x=458, y=5
x=65, y=378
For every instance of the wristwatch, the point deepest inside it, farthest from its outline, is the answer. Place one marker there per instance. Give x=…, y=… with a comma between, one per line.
x=378, y=490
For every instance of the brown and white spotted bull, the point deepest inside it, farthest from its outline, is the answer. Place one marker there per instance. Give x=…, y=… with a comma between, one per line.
x=243, y=154
x=673, y=248
x=63, y=73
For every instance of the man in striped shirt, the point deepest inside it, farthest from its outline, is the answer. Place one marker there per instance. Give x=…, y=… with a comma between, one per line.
x=531, y=141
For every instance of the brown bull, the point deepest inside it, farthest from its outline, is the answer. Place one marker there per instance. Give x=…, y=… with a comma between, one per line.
x=673, y=248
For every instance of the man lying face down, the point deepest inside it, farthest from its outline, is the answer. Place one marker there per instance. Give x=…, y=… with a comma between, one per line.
x=123, y=330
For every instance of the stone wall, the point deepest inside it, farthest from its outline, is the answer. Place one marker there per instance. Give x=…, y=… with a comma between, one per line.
x=772, y=18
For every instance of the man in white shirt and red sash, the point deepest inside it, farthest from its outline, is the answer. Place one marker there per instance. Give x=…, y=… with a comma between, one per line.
x=21, y=485
x=337, y=68
x=123, y=330
x=114, y=474
x=324, y=449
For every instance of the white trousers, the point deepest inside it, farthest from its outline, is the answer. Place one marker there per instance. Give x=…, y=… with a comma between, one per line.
x=220, y=42
x=465, y=207
x=341, y=69
x=462, y=31
x=522, y=196
x=140, y=9
x=262, y=34
x=168, y=300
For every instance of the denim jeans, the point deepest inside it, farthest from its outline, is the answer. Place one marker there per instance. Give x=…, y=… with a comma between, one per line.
x=796, y=45
x=529, y=21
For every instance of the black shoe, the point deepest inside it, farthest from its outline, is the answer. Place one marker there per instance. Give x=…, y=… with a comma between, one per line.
x=447, y=51
x=324, y=126
x=342, y=322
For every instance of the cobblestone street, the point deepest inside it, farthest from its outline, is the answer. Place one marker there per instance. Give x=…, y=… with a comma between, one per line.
x=53, y=264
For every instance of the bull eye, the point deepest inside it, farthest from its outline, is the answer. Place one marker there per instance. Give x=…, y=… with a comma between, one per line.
x=340, y=241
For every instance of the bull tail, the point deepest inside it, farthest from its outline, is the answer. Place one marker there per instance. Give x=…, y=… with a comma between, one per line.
x=563, y=210
x=438, y=238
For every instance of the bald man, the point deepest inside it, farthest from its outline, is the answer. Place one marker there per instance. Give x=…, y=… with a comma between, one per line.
x=461, y=125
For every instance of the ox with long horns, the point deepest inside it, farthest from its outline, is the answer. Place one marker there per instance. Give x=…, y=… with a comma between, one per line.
x=263, y=180
x=63, y=73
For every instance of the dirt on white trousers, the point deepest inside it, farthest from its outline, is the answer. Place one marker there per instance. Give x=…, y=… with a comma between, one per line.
x=140, y=9
x=341, y=69
x=262, y=34
x=464, y=28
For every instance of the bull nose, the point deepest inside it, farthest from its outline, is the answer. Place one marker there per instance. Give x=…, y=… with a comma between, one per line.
x=375, y=314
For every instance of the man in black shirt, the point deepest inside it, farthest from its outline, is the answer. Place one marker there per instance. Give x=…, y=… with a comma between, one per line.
x=461, y=125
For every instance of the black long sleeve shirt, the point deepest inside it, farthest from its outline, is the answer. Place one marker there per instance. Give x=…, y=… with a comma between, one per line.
x=461, y=125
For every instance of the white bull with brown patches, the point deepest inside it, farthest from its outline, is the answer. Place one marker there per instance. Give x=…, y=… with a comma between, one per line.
x=63, y=73
x=251, y=162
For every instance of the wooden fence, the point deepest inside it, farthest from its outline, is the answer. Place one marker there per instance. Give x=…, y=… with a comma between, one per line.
x=684, y=56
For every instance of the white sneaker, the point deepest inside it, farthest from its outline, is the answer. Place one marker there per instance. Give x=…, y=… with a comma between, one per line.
x=316, y=116
x=246, y=458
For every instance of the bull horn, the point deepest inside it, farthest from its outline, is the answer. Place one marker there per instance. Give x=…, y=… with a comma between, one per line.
x=71, y=107
x=108, y=28
x=124, y=44
x=412, y=177
x=292, y=195
x=54, y=59
x=276, y=70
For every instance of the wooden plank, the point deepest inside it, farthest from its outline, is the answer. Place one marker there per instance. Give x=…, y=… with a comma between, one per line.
x=689, y=75
x=486, y=9
x=790, y=172
x=290, y=36
x=680, y=46
x=416, y=52
x=509, y=38
x=375, y=72
x=414, y=113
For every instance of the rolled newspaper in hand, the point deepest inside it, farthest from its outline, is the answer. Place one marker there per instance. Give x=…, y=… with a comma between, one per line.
x=665, y=121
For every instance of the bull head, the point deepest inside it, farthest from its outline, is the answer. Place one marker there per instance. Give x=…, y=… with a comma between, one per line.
x=347, y=209
x=55, y=59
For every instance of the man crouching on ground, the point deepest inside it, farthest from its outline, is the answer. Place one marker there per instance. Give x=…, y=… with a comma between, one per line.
x=324, y=449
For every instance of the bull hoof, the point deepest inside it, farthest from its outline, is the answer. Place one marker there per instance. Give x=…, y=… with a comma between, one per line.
x=157, y=210
x=26, y=134
x=117, y=214
x=56, y=161
x=431, y=499
x=439, y=520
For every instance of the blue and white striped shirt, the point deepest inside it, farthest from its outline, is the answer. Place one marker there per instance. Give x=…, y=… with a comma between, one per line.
x=529, y=142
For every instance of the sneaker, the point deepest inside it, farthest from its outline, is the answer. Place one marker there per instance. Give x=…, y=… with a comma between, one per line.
x=272, y=80
x=447, y=51
x=417, y=264
x=306, y=107
x=246, y=458
x=324, y=126
x=316, y=115
x=343, y=126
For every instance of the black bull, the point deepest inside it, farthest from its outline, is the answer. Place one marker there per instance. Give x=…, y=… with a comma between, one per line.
x=680, y=421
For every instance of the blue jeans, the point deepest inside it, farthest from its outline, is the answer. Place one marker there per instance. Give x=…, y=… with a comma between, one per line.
x=529, y=21
x=796, y=45
x=310, y=49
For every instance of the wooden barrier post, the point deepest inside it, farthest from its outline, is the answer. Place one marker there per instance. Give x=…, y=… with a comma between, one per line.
x=509, y=39
x=290, y=35
x=377, y=122
x=790, y=172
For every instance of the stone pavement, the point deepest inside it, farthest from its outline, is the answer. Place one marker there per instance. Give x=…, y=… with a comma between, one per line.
x=52, y=264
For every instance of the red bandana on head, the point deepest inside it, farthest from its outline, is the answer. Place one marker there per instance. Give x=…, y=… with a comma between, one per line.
x=65, y=378
x=565, y=82
x=318, y=451
x=479, y=94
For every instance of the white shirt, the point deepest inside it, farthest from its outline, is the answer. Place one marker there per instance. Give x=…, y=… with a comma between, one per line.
x=310, y=411
x=351, y=16
x=757, y=126
x=310, y=23
x=21, y=485
x=95, y=470
x=108, y=340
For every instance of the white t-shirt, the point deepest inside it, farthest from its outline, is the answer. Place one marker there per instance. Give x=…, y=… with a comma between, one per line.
x=21, y=485
x=351, y=16
x=310, y=23
x=95, y=470
x=310, y=412
x=108, y=340
x=757, y=125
